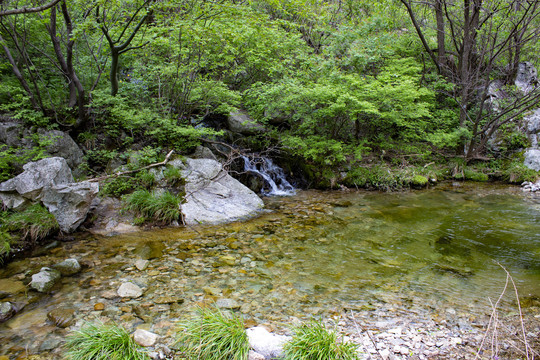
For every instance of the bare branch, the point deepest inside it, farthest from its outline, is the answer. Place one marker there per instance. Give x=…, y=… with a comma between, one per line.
x=25, y=10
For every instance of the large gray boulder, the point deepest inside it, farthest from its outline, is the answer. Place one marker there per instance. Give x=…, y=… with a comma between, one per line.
x=63, y=146
x=38, y=175
x=532, y=123
x=240, y=122
x=10, y=133
x=70, y=203
x=532, y=159
x=213, y=196
x=526, y=77
x=50, y=182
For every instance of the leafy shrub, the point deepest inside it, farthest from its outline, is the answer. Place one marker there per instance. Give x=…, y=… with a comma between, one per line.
x=517, y=173
x=313, y=341
x=173, y=176
x=378, y=177
x=146, y=179
x=103, y=342
x=5, y=244
x=214, y=335
x=469, y=174
x=33, y=224
x=163, y=207
x=118, y=186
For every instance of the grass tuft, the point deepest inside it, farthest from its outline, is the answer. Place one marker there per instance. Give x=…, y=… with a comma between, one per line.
x=164, y=207
x=103, y=342
x=312, y=341
x=33, y=224
x=214, y=335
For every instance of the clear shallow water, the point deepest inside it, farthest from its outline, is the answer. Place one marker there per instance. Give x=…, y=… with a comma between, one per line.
x=316, y=253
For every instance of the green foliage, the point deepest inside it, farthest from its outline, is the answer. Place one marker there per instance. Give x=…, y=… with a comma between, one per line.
x=100, y=159
x=34, y=223
x=18, y=109
x=6, y=241
x=157, y=207
x=515, y=172
x=419, y=181
x=379, y=177
x=313, y=341
x=317, y=149
x=103, y=342
x=214, y=335
x=173, y=176
x=11, y=157
x=119, y=186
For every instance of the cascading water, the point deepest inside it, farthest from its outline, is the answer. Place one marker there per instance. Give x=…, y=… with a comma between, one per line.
x=273, y=175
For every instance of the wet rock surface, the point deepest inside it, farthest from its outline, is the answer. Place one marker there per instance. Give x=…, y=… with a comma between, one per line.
x=269, y=272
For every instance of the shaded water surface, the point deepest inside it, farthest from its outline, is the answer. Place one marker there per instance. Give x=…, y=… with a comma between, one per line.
x=315, y=253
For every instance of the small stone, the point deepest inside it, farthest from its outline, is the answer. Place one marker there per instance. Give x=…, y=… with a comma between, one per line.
x=168, y=300
x=6, y=310
x=153, y=273
x=109, y=294
x=225, y=303
x=50, y=343
x=45, y=279
x=11, y=287
x=68, y=267
x=129, y=290
x=99, y=306
x=225, y=260
x=141, y=264
x=61, y=317
x=144, y=338
x=212, y=291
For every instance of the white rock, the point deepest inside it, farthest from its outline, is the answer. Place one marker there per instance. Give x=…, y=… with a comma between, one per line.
x=226, y=303
x=252, y=355
x=141, y=264
x=213, y=196
x=145, y=338
x=68, y=267
x=45, y=279
x=129, y=290
x=265, y=343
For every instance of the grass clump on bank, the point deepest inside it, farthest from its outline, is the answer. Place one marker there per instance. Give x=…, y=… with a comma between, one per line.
x=157, y=207
x=313, y=341
x=32, y=224
x=103, y=342
x=214, y=335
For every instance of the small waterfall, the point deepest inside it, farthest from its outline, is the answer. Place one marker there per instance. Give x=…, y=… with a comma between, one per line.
x=273, y=175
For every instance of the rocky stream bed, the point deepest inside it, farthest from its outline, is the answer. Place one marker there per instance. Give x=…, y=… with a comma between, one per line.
x=340, y=257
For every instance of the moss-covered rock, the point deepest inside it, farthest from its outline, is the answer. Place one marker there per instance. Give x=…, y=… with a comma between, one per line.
x=419, y=181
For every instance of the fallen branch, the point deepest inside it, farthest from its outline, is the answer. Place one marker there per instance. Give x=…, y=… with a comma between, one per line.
x=369, y=335
x=494, y=323
x=121, y=173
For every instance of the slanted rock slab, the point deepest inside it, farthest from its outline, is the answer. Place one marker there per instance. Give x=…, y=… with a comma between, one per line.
x=38, y=175
x=213, y=196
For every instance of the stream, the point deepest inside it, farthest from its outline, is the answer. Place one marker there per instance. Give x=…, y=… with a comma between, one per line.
x=426, y=254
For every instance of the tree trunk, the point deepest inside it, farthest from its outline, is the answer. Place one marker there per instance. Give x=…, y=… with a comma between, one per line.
x=19, y=75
